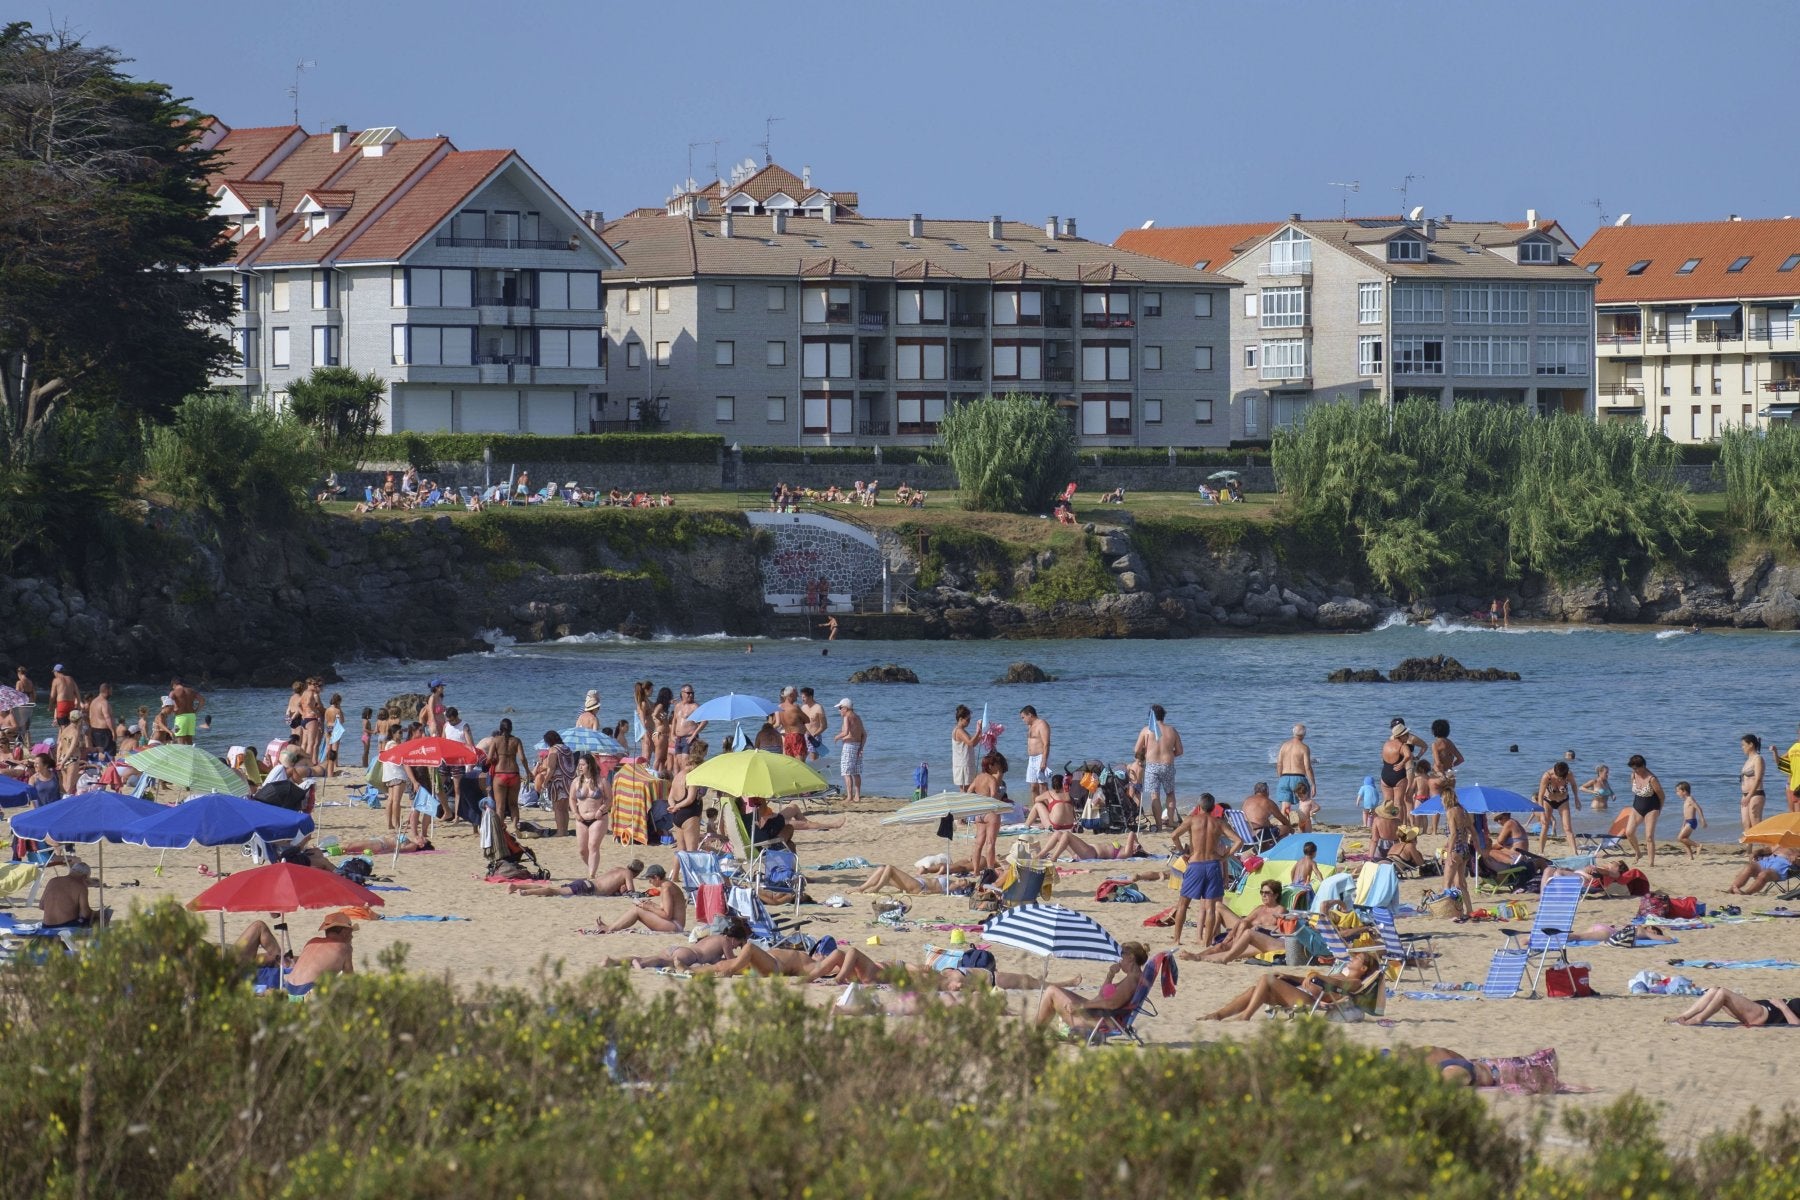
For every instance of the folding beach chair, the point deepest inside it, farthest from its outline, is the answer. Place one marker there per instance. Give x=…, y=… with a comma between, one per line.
x=778, y=870
x=1410, y=950
x=704, y=881
x=764, y=928
x=1253, y=841
x=1549, y=935
x=1123, y=1023
x=1354, y=1001
x=1026, y=887
x=1611, y=842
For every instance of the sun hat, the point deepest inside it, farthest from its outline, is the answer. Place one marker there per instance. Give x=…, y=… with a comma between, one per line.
x=592, y=703
x=1388, y=811
x=336, y=920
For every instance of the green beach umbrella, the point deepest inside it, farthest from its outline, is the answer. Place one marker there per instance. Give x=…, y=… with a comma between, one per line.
x=188, y=767
x=944, y=804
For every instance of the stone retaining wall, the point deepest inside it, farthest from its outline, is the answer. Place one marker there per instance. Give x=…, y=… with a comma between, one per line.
x=803, y=547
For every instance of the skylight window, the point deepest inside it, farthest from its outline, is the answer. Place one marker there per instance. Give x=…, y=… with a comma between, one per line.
x=1594, y=268
x=1687, y=268
x=1203, y=264
x=1003, y=248
x=815, y=243
x=958, y=246
x=1638, y=267
x=859, y=244
x=1738, y=265
x=1792, y=261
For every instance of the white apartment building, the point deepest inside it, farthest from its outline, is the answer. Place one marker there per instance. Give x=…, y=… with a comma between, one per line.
x=459, y=277
x=772, y=312
x=1697, y=324
x=1392, y=307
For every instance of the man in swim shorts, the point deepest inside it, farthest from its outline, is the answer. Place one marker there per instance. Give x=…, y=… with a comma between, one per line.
x=792, y=723
x=853, y=736
x=1037, y=750
x=63, y=692
x=1294, y=763
x=188, y=704
x=815, y=724
x=1159, y=745
x=1204, y=879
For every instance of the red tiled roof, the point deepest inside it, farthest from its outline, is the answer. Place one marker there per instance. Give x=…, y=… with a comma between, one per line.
x=425, y=205
x=1717, y=244
x=255, y=192
x=1192, y=245
x=333, y=197
x=241, y=151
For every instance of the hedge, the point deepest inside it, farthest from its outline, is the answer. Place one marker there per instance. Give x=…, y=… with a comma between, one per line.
x=428, y=449
x=1699, y=454
x=847, y=455
x=1150, y=456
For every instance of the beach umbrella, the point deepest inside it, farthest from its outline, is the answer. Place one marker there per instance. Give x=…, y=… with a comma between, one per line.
x=282, y=888
x=188, y=767
x=216, y=819
x=733, y=707
x=1781, y=831
x=1052, y=931
x=100, y=817
x=756, y=773
x=11, y=698
x=431, y=752
x=587, y=741
x=1278, y=864
x=1479, y=799
x=1223, y=475
x=944, y=804
x=13, y=792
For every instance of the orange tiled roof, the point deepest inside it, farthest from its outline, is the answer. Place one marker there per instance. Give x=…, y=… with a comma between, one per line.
x=1191, y=245
x=241, y=151
x=425, y=205
x=368, y=182
x=1717, y=244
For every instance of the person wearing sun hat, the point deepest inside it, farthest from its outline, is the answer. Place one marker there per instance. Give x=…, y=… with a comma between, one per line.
x=589, y=717
x=330, y=953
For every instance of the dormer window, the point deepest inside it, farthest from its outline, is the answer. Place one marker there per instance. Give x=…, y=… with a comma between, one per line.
x=1406, y=250
x=1537, y=251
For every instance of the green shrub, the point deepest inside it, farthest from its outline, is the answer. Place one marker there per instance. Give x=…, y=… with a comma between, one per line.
x=1012, y=453
x=1762, y=480
x=985, y=562
x=891, y=456
x=223, y=456
x=524, y=447
x=343, y=405
x=1150, y=456
x=1078, y=575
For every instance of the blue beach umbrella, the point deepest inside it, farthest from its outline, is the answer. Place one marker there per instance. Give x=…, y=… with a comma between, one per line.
x=588, y=741
x=733, y=707
x=215, y=819
x=13, y=792
x=1479, y=799
x=89, y=817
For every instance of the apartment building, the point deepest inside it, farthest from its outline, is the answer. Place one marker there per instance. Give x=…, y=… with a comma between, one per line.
x=773, y=312
x=459, y=277
x=1696, y=324
x=1392, y=306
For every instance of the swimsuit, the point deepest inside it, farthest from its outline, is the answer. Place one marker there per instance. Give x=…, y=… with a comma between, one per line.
x=1776, y=1016
x=1390, y=774
x=1159, y=779
x=581, y=887
x=187, y=723
x=1464, y=1064
x=793, y=744
x=1691, y=823
x=850, y=760
x=1644, y=803
x=1203, y=880
x=1287, y=789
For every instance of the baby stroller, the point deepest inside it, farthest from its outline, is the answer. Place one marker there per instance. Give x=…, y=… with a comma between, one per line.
x=1118, y=811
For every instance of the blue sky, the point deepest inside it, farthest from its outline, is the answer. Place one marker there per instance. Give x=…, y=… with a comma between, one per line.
x=1109, y=112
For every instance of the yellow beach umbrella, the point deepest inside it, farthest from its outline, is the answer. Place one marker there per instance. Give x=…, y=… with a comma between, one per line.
x=1781, y=831
x=756, y=773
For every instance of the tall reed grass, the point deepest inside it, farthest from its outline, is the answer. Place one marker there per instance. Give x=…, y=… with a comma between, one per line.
x=1762, y=480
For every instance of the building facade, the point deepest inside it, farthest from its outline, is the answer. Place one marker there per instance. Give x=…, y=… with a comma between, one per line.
x=1392, y=307
x=458, y=277
x=1697, y=324
x=773, y=312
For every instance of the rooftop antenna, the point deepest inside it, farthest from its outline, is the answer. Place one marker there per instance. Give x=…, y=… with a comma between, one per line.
x=1600, y=209
x=768, y=136
x=715, y=158
x=1355, y=185
x=294, y=91
x=1405, y=187
x=691, y=148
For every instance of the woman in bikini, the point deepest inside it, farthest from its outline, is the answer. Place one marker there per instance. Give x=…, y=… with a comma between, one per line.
x=553, y=777
x=506, y=754
x=662, y=732
x=1258, y=933
x=1459, y=841
x=589, y=797
x=1296, y=991
x=1740, y=1008
x=1555, y=795
x=1646, y=801
x=687, y=803
x=1066, y=843
x=1600, y=788
x=640, y=699
x=991, y=782
x=1080, y=1014
x=1750, y=807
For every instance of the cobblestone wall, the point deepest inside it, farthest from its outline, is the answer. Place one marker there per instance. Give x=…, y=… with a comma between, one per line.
x=804, y=546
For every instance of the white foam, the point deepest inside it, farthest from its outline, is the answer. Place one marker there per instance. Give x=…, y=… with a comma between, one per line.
x=1671, y=633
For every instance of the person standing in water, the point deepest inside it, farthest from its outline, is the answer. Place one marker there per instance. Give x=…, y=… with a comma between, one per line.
x=1159, y=745
x=1293, y=767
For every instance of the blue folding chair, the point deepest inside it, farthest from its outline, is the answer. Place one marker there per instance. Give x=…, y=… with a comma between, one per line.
x=743, y=900
x=1410, y=950
x=1549, y=934
x=778, y=870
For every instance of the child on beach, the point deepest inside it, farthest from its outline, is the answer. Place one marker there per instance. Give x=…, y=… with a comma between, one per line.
x=368, y=730
x=1692, y=817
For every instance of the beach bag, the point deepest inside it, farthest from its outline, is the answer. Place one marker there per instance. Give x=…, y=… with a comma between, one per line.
x=425, y=802
x=1636, y=882
x=1449, y=905
x=1684, y=907
x=1567, y=982
x=1655, y=905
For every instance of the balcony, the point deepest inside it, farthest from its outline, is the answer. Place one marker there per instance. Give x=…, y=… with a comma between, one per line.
x=872, y=371
x=1057, y=373
x=508, y=360
x=1716, y=334
x=1633, y=391
x=966, y=320
x=1055, y=320
x=1782, y=385
x=873, y=428
x=1107, y=321
x=1279, y=270
x=487, y=243
x=1289, y=372
x=962, y=374
x=501, y=301
x=873, y=322
x=1623, y=337
x=839, y=314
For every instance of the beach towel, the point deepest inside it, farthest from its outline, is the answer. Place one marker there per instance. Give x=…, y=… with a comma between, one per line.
x=1637, y=944
x=635, y=789
x=858, y=863
x=424, y=917
x=1730, y=964
x=1440, y=996
x=1120, y=891
x=386, y=887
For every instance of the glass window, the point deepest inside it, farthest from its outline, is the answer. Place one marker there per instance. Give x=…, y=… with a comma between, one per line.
x=1152, y=304
x=1368, y=355
x=775, y=409
x=324, y=288
x=724, y=409
x=1469, y=304
x=1562, y=356
x=1789, y=263
x=1283, y=307
x=1418, y=304
x=1687, y=268
x=1250, y=299
x=1203, y=411
x=1250, y=358
x=1251, y=425
x=1203, y=304
x=1509, y=304
x=1537, y=251
x=634, y=354
x=777, y=354
x=634, y=301
x=278, y=291
x=662, y=354
x=1290, y=253
x=724, y=354
x=1152, y=357
x=724, y=297
x=1418, y=355
x=1368, y=304
x=662, y=299
x=1471, y=356
x=1203, y=358
x=1406, y=249
x=1638, y=267
x=1562, y=306
x=279, y=347
x=777, y=302
x=1738, y=264
x=1284, y=358
x=1153, y=410
x=1511, y=355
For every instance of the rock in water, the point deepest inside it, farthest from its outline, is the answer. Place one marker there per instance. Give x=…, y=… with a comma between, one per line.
x=1441, y=668
x=1024, y=672
x=406, y=706
x=887, y=674
x=1355, y=675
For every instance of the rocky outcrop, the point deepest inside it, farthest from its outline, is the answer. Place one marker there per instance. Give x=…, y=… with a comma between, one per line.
x=888, y=674
x=1356, y=675
x=1024, y=672
x=1441, y=668
x=407, y=705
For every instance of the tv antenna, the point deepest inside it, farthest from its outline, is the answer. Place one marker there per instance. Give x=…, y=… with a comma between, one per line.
x=294, y=91
x=768, y=136
x=1355, y=185
x=1405, y=187
x=1600, y=208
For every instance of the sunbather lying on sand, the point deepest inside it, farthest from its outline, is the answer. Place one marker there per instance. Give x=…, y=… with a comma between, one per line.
x=710, y=949
x=1066, y=844
x=791, y=961
x=1534, y=1073
x=615, y=882
x=847, y=964
x=892, y=877
x=1740, y=1008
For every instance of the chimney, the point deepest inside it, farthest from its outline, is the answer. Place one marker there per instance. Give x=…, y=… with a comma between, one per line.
x=830, y=212
x=725, y=225
x=778, y=220
x=1293, y=216
x=1069, y=227
x=1051, y=226
x=806, y=175
x=340, y=137
x=1531, y=217
x=595, y=221
x=265, y=221
x=994, y=228
x=1430, y=229
x=916, y=226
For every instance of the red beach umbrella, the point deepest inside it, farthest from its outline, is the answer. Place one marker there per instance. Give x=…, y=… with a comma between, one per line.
x=431, y=752
x=282, y=888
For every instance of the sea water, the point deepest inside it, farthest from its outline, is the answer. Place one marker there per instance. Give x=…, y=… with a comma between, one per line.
x=1682, y=700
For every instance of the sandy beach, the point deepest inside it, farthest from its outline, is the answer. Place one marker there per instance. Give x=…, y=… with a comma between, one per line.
x=1706, y=1077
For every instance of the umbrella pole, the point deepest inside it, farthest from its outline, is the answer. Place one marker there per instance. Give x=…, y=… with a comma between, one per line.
x=219, y=872
x=102, y=916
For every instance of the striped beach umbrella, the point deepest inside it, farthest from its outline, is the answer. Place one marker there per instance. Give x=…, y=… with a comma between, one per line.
x=944, y=804
x=1052, y=931
x=588, y=741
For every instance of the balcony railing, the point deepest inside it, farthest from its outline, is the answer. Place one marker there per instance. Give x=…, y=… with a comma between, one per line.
x=1782, y=385
x=968, y=374
x=1287, y=268
x=872, y=428
x=1417, y=368
x=872, y=371
x=504, y=302
x=1059, y=374
x=1053, y=321
x=1623, y=337
x=507, y=360
x=488, y=243
x=1632, y=390
x=1285, y=371
x=870, y=320
x=1714, y=333
x=965, y=320
x=1106, y=321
